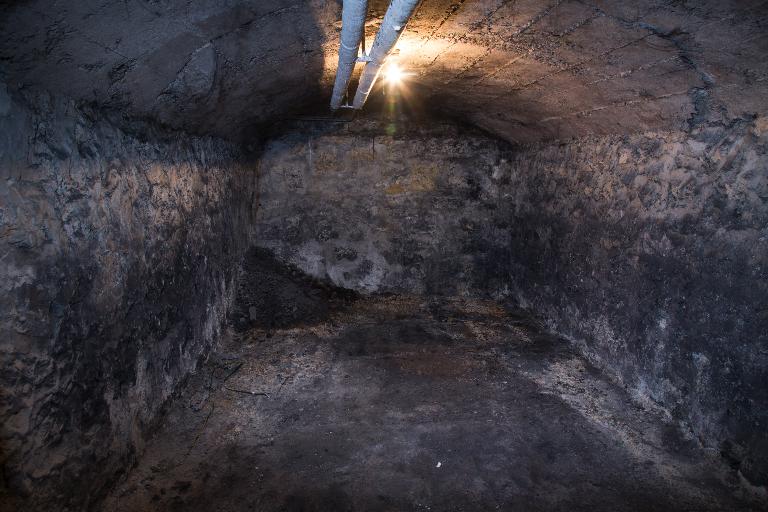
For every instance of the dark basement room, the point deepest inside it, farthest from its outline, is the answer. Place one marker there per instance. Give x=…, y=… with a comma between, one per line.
x=383, y=255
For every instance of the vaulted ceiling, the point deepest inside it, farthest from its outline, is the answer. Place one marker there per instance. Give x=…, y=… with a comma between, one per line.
x=526, y=70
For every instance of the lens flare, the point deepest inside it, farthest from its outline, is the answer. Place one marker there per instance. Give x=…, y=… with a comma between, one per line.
x=393, y=74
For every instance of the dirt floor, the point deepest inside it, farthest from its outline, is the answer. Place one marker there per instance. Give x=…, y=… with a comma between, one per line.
x=417, y=404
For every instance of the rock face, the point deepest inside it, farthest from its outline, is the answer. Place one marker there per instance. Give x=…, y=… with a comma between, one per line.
x=414, y=212
x=119, y=254
x=209, y=68
x=649, y=251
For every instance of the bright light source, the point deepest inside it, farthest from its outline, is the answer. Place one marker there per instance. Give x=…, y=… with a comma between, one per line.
x=393, y=74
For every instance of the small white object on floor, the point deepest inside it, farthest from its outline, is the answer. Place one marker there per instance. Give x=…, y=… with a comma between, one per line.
x=439, y=464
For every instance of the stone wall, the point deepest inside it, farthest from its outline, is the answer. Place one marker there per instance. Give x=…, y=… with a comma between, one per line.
x=118, y=258
x=650, y=252
x=415, y=212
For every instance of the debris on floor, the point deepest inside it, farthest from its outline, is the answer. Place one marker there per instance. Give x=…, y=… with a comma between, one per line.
x=350, y=410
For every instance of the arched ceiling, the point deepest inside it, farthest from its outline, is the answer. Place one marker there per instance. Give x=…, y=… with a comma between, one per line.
x=208, y=66
x=526, y=70
x=531, y=70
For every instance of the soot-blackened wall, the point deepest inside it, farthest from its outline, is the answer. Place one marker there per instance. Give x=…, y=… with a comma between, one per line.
x=651, y=252
x=118, y=258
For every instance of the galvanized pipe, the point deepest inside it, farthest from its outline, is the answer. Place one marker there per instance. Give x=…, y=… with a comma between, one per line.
x=353, y=15
x=397, y=15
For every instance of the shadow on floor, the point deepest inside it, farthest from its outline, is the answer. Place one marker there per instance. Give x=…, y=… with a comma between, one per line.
x=399, y=403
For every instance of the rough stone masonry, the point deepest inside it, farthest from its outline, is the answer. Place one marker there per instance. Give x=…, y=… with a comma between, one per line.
x=119, y=253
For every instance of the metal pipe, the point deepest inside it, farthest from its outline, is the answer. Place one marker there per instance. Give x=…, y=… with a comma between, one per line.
x=353, y=15
x=397, y=15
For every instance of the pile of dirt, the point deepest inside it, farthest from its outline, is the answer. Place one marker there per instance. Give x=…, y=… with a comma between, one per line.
x=272, y=294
